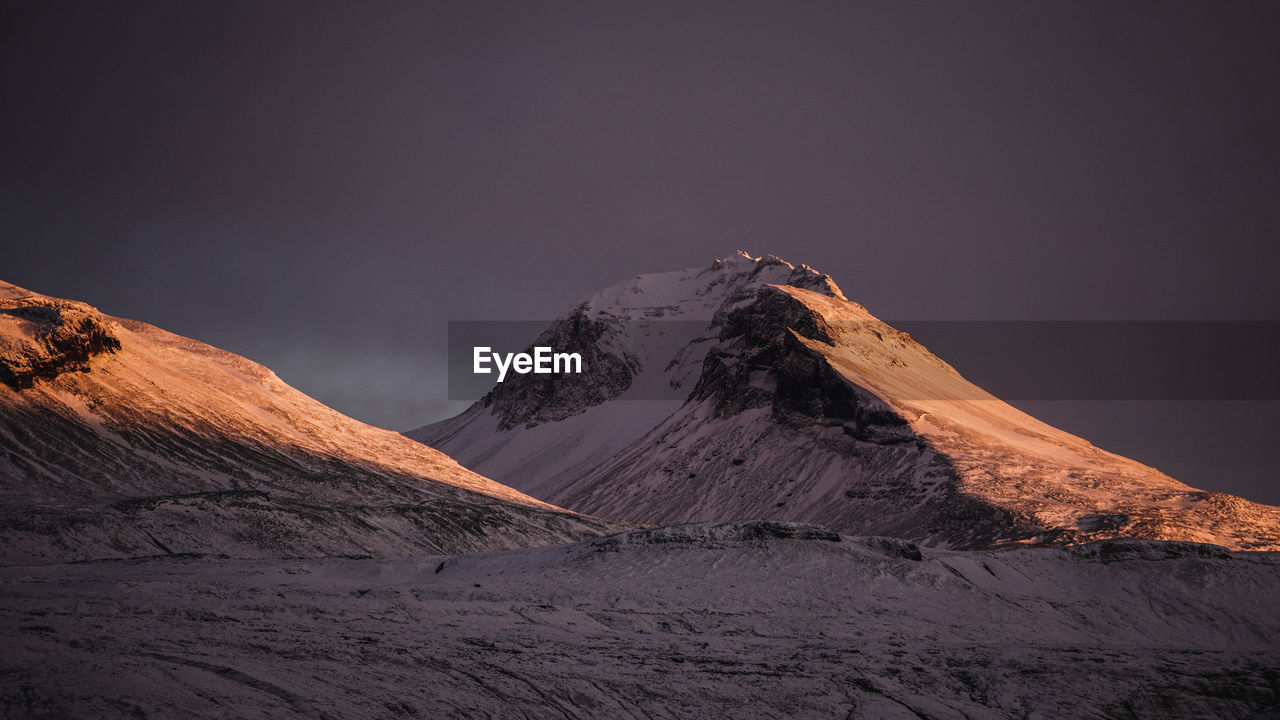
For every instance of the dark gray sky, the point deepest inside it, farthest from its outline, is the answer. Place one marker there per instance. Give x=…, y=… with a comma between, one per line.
x=321, y=186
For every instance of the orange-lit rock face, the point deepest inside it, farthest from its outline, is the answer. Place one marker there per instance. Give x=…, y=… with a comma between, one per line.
x=41, y=339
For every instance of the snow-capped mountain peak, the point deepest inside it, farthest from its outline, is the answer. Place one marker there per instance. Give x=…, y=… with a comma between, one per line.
x=753, y=388
x=696, y=293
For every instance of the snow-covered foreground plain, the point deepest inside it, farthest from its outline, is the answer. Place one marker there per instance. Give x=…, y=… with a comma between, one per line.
x=736, y=620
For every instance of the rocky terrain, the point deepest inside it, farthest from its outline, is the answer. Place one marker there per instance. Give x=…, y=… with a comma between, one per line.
x=757, y=390
x=118, y=439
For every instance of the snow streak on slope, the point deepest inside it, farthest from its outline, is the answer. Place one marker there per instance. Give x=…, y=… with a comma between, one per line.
x=756, y=620
x=795, y=403
x=121, y=439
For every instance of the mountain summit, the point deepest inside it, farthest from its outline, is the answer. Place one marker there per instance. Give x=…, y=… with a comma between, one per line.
x=753, y=389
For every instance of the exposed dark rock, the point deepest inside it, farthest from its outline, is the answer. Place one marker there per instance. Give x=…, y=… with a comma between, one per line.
x=712, y=535
x=533, y=399
x=772, y=530
x=1119, y=549
x=766, y=365
x=62, y=337
x=893, y=547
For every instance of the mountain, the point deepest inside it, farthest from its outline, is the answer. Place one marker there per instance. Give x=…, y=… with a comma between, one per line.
x=184, y=535
x=755, y=389
x=118, y=439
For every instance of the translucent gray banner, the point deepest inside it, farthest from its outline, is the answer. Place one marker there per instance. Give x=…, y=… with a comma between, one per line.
x=1013, y=360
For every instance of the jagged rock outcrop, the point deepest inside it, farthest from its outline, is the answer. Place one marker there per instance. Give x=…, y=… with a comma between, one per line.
x=529, y=400
x=46, y=338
